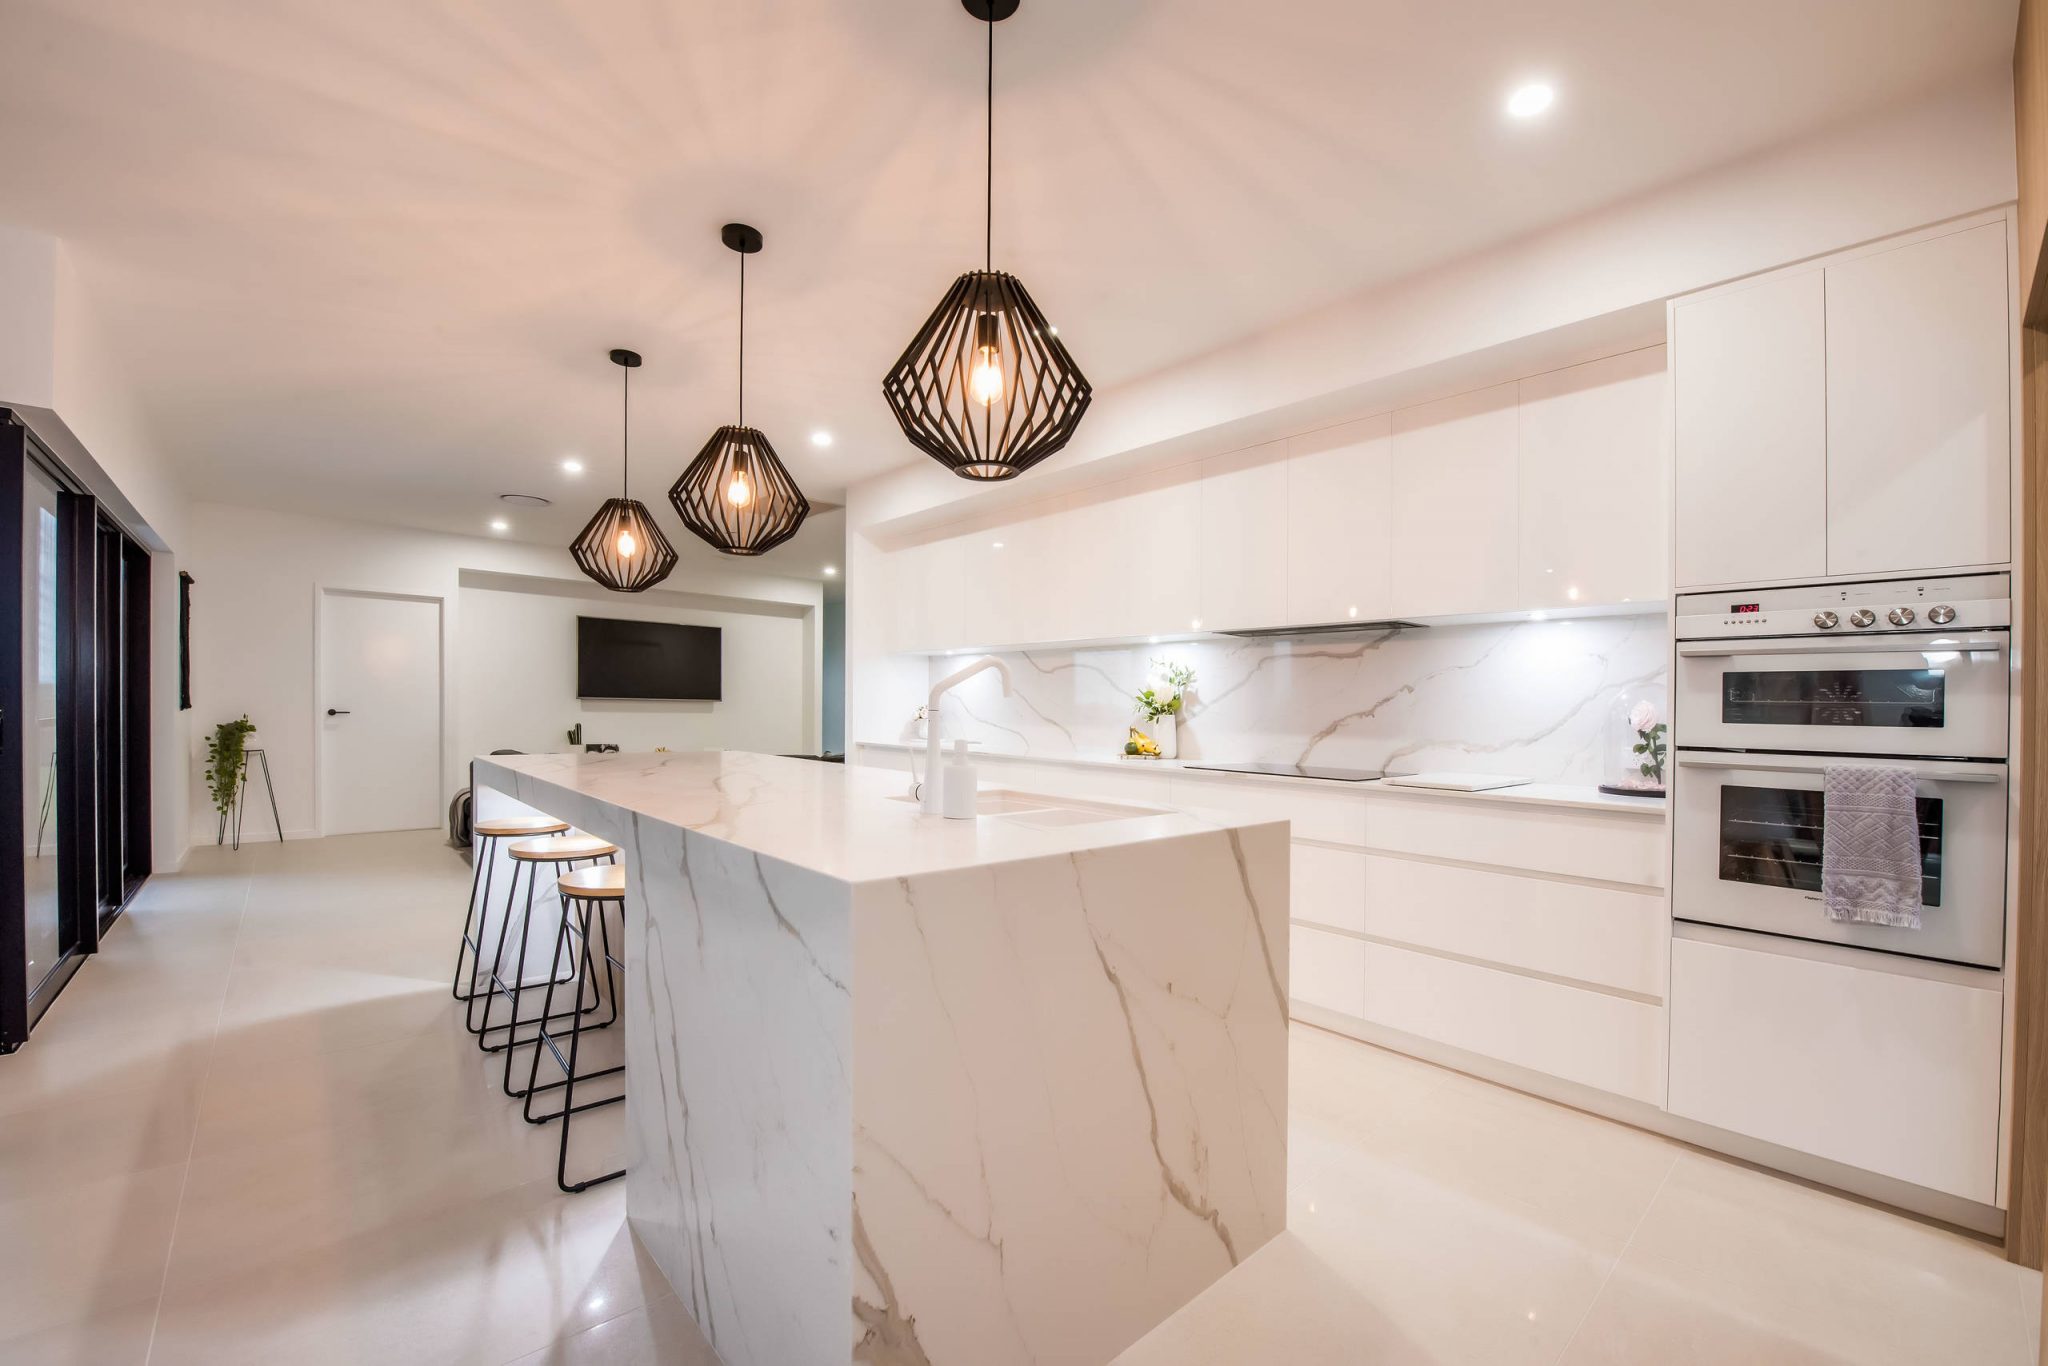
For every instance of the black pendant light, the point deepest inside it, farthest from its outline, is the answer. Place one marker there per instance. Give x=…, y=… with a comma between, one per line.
x=987, y=388
x=736, y=494
x=622, y=548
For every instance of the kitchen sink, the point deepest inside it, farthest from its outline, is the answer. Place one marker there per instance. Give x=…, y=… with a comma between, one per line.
x=1036, y=809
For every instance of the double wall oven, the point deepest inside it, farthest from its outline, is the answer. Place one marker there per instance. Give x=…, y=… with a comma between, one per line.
x=1874, y=1047
x=1776, y=686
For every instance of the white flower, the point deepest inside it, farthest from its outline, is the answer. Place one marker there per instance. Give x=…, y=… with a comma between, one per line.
x=1642, y=716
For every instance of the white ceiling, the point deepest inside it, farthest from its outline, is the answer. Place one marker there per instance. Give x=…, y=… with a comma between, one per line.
x=366, y=258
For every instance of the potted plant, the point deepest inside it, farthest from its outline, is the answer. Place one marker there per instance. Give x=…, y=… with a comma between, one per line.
x=1156, y=733
x=224, y=757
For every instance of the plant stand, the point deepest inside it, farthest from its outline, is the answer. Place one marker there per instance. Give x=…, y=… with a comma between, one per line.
x=241, y=790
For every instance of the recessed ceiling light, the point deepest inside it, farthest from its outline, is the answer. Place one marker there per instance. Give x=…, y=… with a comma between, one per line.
x=1539, y=616
x=830, y=571
x=1529, y=100
x=572, y=466
x=821, y=438
x=500, y=524
x=998, y=545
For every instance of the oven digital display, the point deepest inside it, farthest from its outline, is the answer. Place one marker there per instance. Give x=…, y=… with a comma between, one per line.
x=1742, y=608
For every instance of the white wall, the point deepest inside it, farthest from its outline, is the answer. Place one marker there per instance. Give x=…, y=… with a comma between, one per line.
x=259, y=575
x=516, y=676
x=60, y=367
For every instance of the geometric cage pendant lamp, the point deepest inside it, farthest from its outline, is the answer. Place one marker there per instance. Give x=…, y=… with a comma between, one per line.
x=736, y=495
x=986, y=387
x=621, y=547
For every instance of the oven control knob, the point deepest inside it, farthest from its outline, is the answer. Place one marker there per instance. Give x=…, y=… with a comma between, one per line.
x=1942, y=615
x=1827, y=621
x=1900, y=616
x=1862, y=617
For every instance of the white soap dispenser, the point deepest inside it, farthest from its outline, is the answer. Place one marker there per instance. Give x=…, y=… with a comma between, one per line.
x=961, y=787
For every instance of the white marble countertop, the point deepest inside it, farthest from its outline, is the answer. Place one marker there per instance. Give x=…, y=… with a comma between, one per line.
x=1583, y=797
x=839, y=820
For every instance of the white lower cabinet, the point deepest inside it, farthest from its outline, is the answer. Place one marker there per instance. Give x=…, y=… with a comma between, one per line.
x=1877, y=1067
x=1603, y=936
x=1329, y=886
x=1326, y=970
x=1591, y=1037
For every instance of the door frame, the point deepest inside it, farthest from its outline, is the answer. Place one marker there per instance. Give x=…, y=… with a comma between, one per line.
x=321, y=592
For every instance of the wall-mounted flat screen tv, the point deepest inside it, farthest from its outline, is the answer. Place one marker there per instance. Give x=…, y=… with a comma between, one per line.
x=647, y=659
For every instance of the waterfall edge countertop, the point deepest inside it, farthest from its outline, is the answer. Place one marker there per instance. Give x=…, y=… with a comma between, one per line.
x=840, y=820
x=910, y=1091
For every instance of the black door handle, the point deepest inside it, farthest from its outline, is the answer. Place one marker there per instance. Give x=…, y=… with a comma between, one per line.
x=332, y=712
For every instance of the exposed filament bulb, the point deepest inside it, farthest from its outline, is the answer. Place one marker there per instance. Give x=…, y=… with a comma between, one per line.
x=987, y=378
x=626, y=544
x=738, y=492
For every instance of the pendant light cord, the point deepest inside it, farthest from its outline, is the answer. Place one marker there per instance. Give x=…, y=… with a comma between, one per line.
x=626, y=432
x=743, y=339
x=988, y=241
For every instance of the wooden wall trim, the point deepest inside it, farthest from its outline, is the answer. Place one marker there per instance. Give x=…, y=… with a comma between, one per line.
x=2027, y=1213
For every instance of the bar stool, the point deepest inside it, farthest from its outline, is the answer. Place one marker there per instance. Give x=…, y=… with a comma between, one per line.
x=586, y=893
x=484, y=838
x=560, y=853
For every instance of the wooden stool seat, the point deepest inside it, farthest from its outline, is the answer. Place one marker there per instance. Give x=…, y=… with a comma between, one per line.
x=562, y=848
x=605, y=882
x=513, y=827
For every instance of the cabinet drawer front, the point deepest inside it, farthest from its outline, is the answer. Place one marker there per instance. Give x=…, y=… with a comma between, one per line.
x=1326, y=970
x=1891, y=1073
x=1329, y=886
x=1566, y=840
x=1603, y=935
x=1315, y=814
x=1602, y=1041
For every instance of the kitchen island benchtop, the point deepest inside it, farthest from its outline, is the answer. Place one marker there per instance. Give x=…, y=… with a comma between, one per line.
x=838, y=820
x=909, y=1091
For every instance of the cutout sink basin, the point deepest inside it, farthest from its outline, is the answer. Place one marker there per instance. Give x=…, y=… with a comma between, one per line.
x=1044, y=812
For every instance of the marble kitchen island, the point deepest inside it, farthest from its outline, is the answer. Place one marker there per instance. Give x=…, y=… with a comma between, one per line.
x=908, y=1090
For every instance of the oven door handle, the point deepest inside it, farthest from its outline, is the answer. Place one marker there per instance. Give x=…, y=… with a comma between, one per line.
x=1943, y=773
x=1808, y=645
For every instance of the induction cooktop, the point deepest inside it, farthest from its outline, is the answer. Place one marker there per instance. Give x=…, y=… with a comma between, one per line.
x=1332, y=775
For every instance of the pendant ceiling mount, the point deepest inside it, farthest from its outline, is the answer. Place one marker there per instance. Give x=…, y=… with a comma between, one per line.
x=621, y=547
x=986, y=387
x=736, y=495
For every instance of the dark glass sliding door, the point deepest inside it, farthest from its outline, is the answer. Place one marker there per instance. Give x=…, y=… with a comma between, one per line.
x=74, y=727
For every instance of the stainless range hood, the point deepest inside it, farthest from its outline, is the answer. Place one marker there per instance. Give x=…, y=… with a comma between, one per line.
x=1335, y=628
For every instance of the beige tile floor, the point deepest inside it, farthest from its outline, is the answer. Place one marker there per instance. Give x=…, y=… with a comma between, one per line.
x=252, y=1132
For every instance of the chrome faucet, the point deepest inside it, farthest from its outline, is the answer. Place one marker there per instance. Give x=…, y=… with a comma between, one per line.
x=928, y=795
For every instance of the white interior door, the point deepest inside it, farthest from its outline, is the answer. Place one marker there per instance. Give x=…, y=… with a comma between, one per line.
x=379, y=713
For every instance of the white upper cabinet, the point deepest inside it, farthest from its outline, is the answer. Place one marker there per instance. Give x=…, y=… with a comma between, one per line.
x=1593, y=483
x=1339, y=506
x=1919, y=406
x=1243, y=538
x=1154, y=585
x=1455, y=538
x=1749, y=389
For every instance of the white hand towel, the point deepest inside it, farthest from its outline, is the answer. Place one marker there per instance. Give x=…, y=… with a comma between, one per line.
x=1870, y=855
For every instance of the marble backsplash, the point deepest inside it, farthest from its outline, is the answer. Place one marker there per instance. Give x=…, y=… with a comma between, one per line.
x=1530, y=697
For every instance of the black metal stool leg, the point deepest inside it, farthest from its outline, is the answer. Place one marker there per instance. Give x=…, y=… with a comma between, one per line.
x=546, y=1038
x=569, y=1106
x=476, y=916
